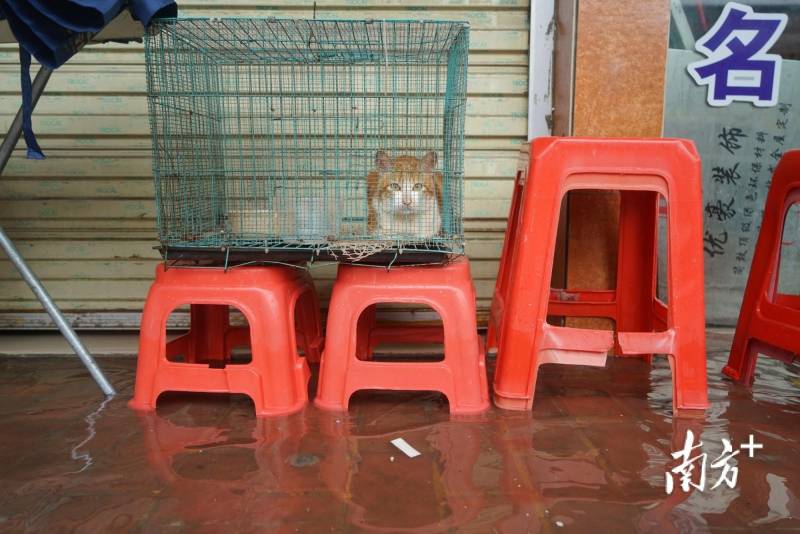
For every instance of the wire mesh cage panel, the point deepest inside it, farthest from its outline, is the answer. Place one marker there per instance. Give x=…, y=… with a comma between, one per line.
x=323, y=135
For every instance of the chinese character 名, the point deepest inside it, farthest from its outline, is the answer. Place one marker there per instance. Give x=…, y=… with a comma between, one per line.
x=713, y=244
x=726, y=175
x=738, y=66
x=720, y=211
x=730, y=139
x=761, y=137
x=686, y=467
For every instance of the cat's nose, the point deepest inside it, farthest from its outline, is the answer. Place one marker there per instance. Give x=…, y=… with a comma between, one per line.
x=406, y=202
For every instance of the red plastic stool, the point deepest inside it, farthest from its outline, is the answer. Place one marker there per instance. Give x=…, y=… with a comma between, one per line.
x=642, y=169
x=769, y=322
x=448, y=289
x=630, y=304
x=276, y=378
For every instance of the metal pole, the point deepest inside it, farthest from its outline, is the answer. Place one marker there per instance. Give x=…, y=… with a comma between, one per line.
x=7, y=147
x=55, y=314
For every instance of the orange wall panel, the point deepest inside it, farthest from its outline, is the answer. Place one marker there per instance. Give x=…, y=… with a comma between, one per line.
x=620, y=61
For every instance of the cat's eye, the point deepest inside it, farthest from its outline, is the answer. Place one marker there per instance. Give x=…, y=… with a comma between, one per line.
x=394, y=186
x=418, y=187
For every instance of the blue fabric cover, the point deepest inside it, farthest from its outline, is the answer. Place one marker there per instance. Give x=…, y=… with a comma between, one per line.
x=52, y=31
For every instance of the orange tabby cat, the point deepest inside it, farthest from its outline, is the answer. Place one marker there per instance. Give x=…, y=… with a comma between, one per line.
x=405, y=196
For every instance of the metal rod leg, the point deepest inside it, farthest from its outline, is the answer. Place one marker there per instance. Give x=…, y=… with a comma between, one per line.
x=6, y=148
x=55, y=314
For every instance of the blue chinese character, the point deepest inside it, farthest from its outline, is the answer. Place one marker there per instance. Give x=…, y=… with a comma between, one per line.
x=737, y=65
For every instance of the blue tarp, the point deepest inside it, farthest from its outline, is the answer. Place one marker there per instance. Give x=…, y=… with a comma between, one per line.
x=52, y=31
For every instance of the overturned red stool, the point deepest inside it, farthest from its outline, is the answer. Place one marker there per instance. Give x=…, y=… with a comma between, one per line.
x=641, y=169
x=346, y=365
x=269, y=298
x=769, y=321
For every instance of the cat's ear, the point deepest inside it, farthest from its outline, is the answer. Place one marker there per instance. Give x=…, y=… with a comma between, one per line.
x=382, y=161
x=428, y=161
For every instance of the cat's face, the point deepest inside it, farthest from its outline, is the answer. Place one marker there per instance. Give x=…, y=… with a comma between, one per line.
x=406, y=185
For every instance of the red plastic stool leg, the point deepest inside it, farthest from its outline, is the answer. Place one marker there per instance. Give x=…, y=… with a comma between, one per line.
x=205, y=340
x=686, y=297
x=282, y=376
x=501, y=285
x=152, y=348
x=309, y=324
x=637, y=262
x=741, y=366
x=364, y=332
x=208, y=325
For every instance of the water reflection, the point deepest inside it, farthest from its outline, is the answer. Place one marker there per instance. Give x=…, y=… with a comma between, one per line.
x=592, y=456
x=91, y=420
x=227, y=469
x=379, y=484
x=211, y=467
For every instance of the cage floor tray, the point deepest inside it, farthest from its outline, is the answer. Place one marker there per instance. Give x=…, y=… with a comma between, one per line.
x=216, y=256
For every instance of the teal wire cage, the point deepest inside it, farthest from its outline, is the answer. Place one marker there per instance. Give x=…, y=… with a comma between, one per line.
x=335, y=137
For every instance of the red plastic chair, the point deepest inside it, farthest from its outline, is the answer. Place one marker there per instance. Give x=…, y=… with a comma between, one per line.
x=276, y=378
x=346, y=365
x=642, y=169
x=769, y=322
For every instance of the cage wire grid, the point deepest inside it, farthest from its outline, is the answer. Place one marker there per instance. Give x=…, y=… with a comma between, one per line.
x=276, y=134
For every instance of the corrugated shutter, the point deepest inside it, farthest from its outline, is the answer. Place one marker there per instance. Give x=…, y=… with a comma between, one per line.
x=85, y=217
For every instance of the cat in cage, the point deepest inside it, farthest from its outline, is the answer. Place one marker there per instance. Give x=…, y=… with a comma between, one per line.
x=405, y=197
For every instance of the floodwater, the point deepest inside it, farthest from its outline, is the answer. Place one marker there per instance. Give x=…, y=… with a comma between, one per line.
x=592, y=457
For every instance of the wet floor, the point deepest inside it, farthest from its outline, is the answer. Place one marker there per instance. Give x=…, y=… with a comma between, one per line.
x=591, y=457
